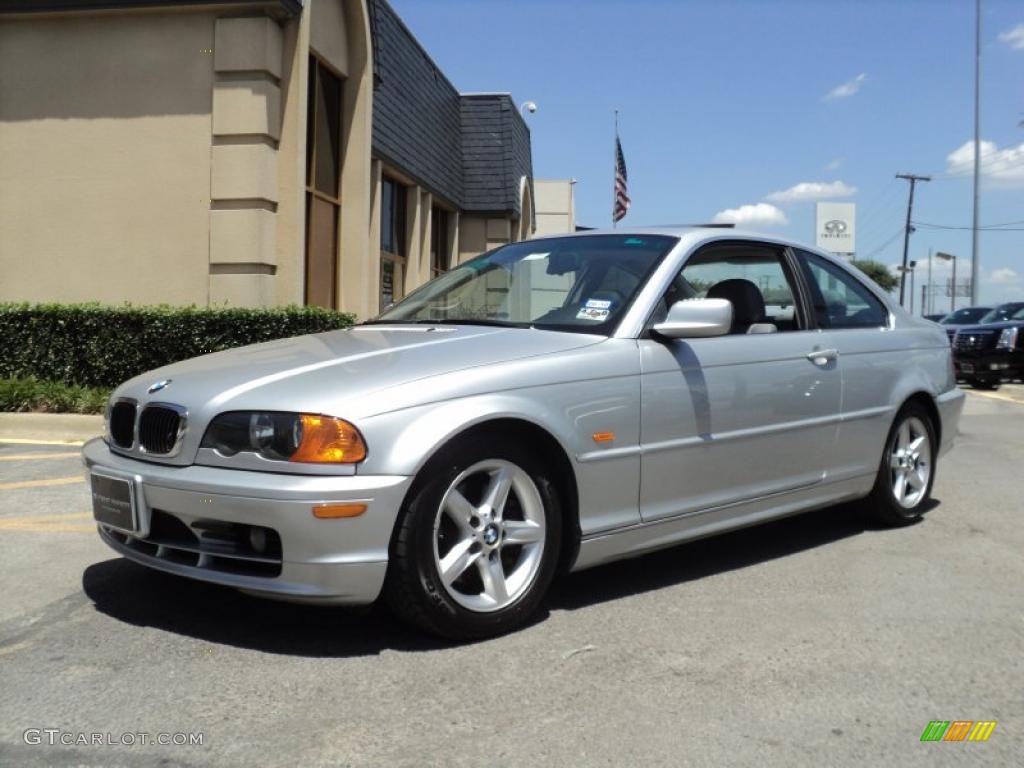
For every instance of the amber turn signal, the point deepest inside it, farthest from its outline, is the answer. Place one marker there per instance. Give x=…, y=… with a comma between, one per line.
x=334, y=511
x=326, y=440
x=603, y=437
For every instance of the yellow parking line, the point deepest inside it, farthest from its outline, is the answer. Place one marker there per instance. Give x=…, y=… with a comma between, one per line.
x=13, y=647
x=23, y=441
x=996, y=396
x=49, y=528
x=41, y=483
x=45, y=518
x=39, y=456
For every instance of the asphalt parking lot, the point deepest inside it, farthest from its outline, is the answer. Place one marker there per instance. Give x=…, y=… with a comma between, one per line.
x=810, y=641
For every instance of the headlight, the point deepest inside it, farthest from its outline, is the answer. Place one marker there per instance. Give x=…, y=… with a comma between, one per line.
x=296, y=437
x=1007, y=339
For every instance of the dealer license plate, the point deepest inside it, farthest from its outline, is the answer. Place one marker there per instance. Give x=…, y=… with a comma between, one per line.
x=113, y=502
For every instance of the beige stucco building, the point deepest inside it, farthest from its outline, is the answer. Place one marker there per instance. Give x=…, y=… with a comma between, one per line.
x=555, y=207
x=242, y=152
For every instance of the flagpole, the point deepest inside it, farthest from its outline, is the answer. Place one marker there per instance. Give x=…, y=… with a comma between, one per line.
x=615, y=168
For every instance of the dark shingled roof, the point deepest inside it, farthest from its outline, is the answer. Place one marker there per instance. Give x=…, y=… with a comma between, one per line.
x=277, y=7
x=472, y=149
x=495, y=153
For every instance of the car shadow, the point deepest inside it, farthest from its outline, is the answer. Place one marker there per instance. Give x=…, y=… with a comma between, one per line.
x=210, y=613
x=742, y=548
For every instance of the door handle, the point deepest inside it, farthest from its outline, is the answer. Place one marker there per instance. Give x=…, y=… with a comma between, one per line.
x=823, y=357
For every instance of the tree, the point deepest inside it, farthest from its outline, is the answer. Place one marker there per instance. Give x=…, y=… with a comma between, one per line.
x=877, y=272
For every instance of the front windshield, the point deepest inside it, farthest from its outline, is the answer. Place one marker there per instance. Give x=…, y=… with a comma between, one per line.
x=965, y=316
x=581, y=283
x=1001, y=313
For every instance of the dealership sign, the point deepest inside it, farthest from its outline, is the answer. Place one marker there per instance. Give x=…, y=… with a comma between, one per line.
x=835, y=227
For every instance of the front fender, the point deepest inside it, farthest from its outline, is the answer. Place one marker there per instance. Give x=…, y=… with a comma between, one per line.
x=405, y=440
x=607, y=473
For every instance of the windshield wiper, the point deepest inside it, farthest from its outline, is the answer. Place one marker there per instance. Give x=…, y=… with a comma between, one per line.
x=476, y=321
x=452, y=321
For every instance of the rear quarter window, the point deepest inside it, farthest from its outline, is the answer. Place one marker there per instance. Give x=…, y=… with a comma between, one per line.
x=839, y=299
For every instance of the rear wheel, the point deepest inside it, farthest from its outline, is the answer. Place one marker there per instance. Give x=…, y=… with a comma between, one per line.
x=477, y=543
x=907, y=469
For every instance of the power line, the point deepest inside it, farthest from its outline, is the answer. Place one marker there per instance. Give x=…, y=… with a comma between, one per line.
x=879, y=227
x=980, y=229
x=884, y=245
x=987, y=226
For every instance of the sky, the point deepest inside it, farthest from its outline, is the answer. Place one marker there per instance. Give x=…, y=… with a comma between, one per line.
x=751, y=110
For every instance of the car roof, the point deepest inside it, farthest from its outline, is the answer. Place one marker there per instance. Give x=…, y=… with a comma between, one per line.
x=691, y=234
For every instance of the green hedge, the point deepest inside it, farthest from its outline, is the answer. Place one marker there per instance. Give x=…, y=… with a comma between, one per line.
x=100, y=346
x=51, y=397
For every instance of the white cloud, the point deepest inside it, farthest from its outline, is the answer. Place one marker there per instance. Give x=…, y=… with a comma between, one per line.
x=1005, y=166
x=752, y=214
x=847, y=89
x=833, y=165
x=1004, y=276
x=1014, y=37
x=812, y=190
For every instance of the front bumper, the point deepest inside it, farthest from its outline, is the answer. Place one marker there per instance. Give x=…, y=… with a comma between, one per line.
x=340, y=561
x=991, y=365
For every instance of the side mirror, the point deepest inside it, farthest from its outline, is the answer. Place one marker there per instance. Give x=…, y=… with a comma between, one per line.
x=696, y=318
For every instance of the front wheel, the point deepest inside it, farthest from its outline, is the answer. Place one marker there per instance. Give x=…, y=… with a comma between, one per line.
x=907, y=469
x=477, y=542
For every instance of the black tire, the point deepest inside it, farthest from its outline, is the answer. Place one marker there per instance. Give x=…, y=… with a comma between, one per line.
x=881, y=505
x=989, y=384
x=413, y=588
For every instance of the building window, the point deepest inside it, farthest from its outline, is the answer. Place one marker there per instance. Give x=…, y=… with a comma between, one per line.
x=323, y=177
x=439, y=251
x=392, y=241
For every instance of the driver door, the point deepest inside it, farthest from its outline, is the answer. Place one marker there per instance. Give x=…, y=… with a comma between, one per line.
x=739, y=417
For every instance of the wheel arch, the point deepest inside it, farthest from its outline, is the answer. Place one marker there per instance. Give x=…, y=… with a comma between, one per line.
x=554, y=457
x=928, y=403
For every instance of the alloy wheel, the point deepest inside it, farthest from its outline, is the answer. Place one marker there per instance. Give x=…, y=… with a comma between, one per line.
x=489, y=534
x=910, y=462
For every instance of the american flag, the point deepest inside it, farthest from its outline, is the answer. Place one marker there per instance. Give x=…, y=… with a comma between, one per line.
x=621, y=197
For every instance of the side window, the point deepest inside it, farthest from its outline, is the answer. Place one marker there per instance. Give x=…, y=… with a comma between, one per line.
x=839, y=298
x=755, y=278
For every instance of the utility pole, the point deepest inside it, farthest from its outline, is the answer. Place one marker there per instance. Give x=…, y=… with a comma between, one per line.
x=977, y=151
x=913, y=179
x=924, y=305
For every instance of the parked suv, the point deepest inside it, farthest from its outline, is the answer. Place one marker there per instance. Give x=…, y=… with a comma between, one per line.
x=988, y=353
x=958, y=318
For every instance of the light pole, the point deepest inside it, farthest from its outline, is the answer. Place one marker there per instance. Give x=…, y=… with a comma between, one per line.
x=952, y=293
x=977, y=153
x=928, y=306
x=913, y=265
x=909, y=269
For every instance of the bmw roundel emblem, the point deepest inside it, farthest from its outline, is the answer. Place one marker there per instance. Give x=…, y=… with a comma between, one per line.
x=158, y=386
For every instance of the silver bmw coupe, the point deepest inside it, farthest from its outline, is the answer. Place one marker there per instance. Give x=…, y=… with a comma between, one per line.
x=556, y=403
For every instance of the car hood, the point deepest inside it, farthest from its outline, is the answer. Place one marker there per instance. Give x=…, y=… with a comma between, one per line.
x=346, y=369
